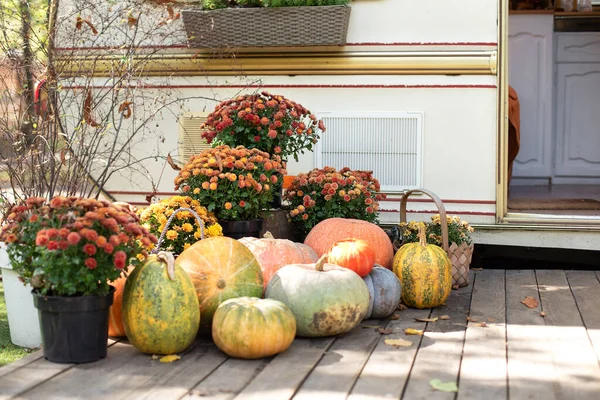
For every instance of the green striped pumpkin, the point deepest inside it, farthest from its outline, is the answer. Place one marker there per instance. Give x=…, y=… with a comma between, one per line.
x=425, y=272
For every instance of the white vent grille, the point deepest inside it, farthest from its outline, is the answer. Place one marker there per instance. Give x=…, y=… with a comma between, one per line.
x=389, y=144
x=190, y=142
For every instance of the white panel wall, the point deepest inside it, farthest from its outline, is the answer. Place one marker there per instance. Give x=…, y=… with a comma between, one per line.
x=371, y=21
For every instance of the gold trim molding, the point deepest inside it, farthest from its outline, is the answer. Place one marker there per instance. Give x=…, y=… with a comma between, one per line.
x=345, y=63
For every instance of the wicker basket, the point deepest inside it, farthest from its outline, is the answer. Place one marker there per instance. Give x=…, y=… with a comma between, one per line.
x=460, y=255
x=267, y=26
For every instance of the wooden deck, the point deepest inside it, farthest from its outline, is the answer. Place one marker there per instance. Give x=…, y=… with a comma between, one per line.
x=492, y=346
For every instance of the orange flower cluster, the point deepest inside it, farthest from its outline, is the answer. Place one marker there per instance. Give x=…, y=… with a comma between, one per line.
x=327, y=193
x=263, y=121
x=234, y=183
x=70, y=245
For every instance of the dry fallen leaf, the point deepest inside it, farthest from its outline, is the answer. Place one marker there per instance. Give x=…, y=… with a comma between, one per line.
x=470, y=319
x=398, y=342
x=169, y=359
x=172, y=163
x=437, y=384
x=482, y=324
x=402, y=307
x=155, y=357
x=491, y=319
x=394, y=316
x=455, y=287
x=385, y=331
x=426, y=319
x=530, y=302
x=542, y=314
x=444, y=317
x=87, y=110
x=411, y=331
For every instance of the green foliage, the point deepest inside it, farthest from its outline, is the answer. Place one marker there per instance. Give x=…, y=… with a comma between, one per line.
x=327, y=193
x=215, y=4
x=458, y=231
x=11, y=20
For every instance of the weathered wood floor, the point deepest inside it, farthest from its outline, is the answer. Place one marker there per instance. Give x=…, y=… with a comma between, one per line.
x=517, y=354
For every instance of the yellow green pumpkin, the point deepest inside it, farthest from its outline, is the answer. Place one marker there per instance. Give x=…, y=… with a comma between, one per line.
x=160, y=308
x=425, y=272
x=249, y=327
x=221, y=268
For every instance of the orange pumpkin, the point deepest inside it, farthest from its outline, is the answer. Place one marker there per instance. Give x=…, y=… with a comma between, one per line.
x=221, y=268
x=354, y=254
x=332, y=230
x=115, y=313
x=272, y=254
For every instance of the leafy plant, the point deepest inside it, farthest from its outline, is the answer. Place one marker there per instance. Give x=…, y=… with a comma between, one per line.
x=263, y=121
x=73, y=246
x=458, y=231
x=234, y=183
x=184, y=230
x=327, y=193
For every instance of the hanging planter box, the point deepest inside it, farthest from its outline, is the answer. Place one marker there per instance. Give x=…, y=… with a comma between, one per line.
x=267, y=26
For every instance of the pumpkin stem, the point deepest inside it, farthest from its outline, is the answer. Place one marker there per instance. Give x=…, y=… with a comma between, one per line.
x=422, y=235
x=321, y=263
x=167, y=257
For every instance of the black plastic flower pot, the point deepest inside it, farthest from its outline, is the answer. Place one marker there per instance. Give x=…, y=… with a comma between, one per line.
x=74, y=329
x=240, y=229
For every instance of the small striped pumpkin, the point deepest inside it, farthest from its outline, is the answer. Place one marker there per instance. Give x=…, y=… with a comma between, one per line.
x=425, y=272
x=249, y=327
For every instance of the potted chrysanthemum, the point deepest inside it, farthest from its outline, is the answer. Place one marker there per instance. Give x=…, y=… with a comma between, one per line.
x=69, y=250
x=236, y=184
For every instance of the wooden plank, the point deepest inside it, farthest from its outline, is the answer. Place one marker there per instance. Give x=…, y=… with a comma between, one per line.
x=531, y=368
x=172, y=381
x=335, y=374
x=586, y=290
x=578, y=372
x=441, y=349
x=33, y=374
x=228, y=380
x=386, y=372
x=483, y=366
x=281, y=377
x=29, y=358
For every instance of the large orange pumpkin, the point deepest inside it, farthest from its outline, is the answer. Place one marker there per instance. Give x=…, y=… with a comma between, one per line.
x=272, y=254
x=332, y=230
x=115, y=313
x=354, y=254
x=221, y=268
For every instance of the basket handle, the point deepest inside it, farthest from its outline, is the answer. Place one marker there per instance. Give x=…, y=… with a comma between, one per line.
x=166, y=228
x=441, y=209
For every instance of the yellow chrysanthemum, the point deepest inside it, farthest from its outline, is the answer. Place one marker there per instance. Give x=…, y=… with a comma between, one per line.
x=140, y=257
x=162, y=219
x=197, y=235
x=187, y=227
x=214, y=230
x=172, y=235
x=186, y=245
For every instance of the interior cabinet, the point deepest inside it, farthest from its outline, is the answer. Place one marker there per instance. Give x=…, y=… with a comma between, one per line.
x=577, y=124
x=530, y=57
